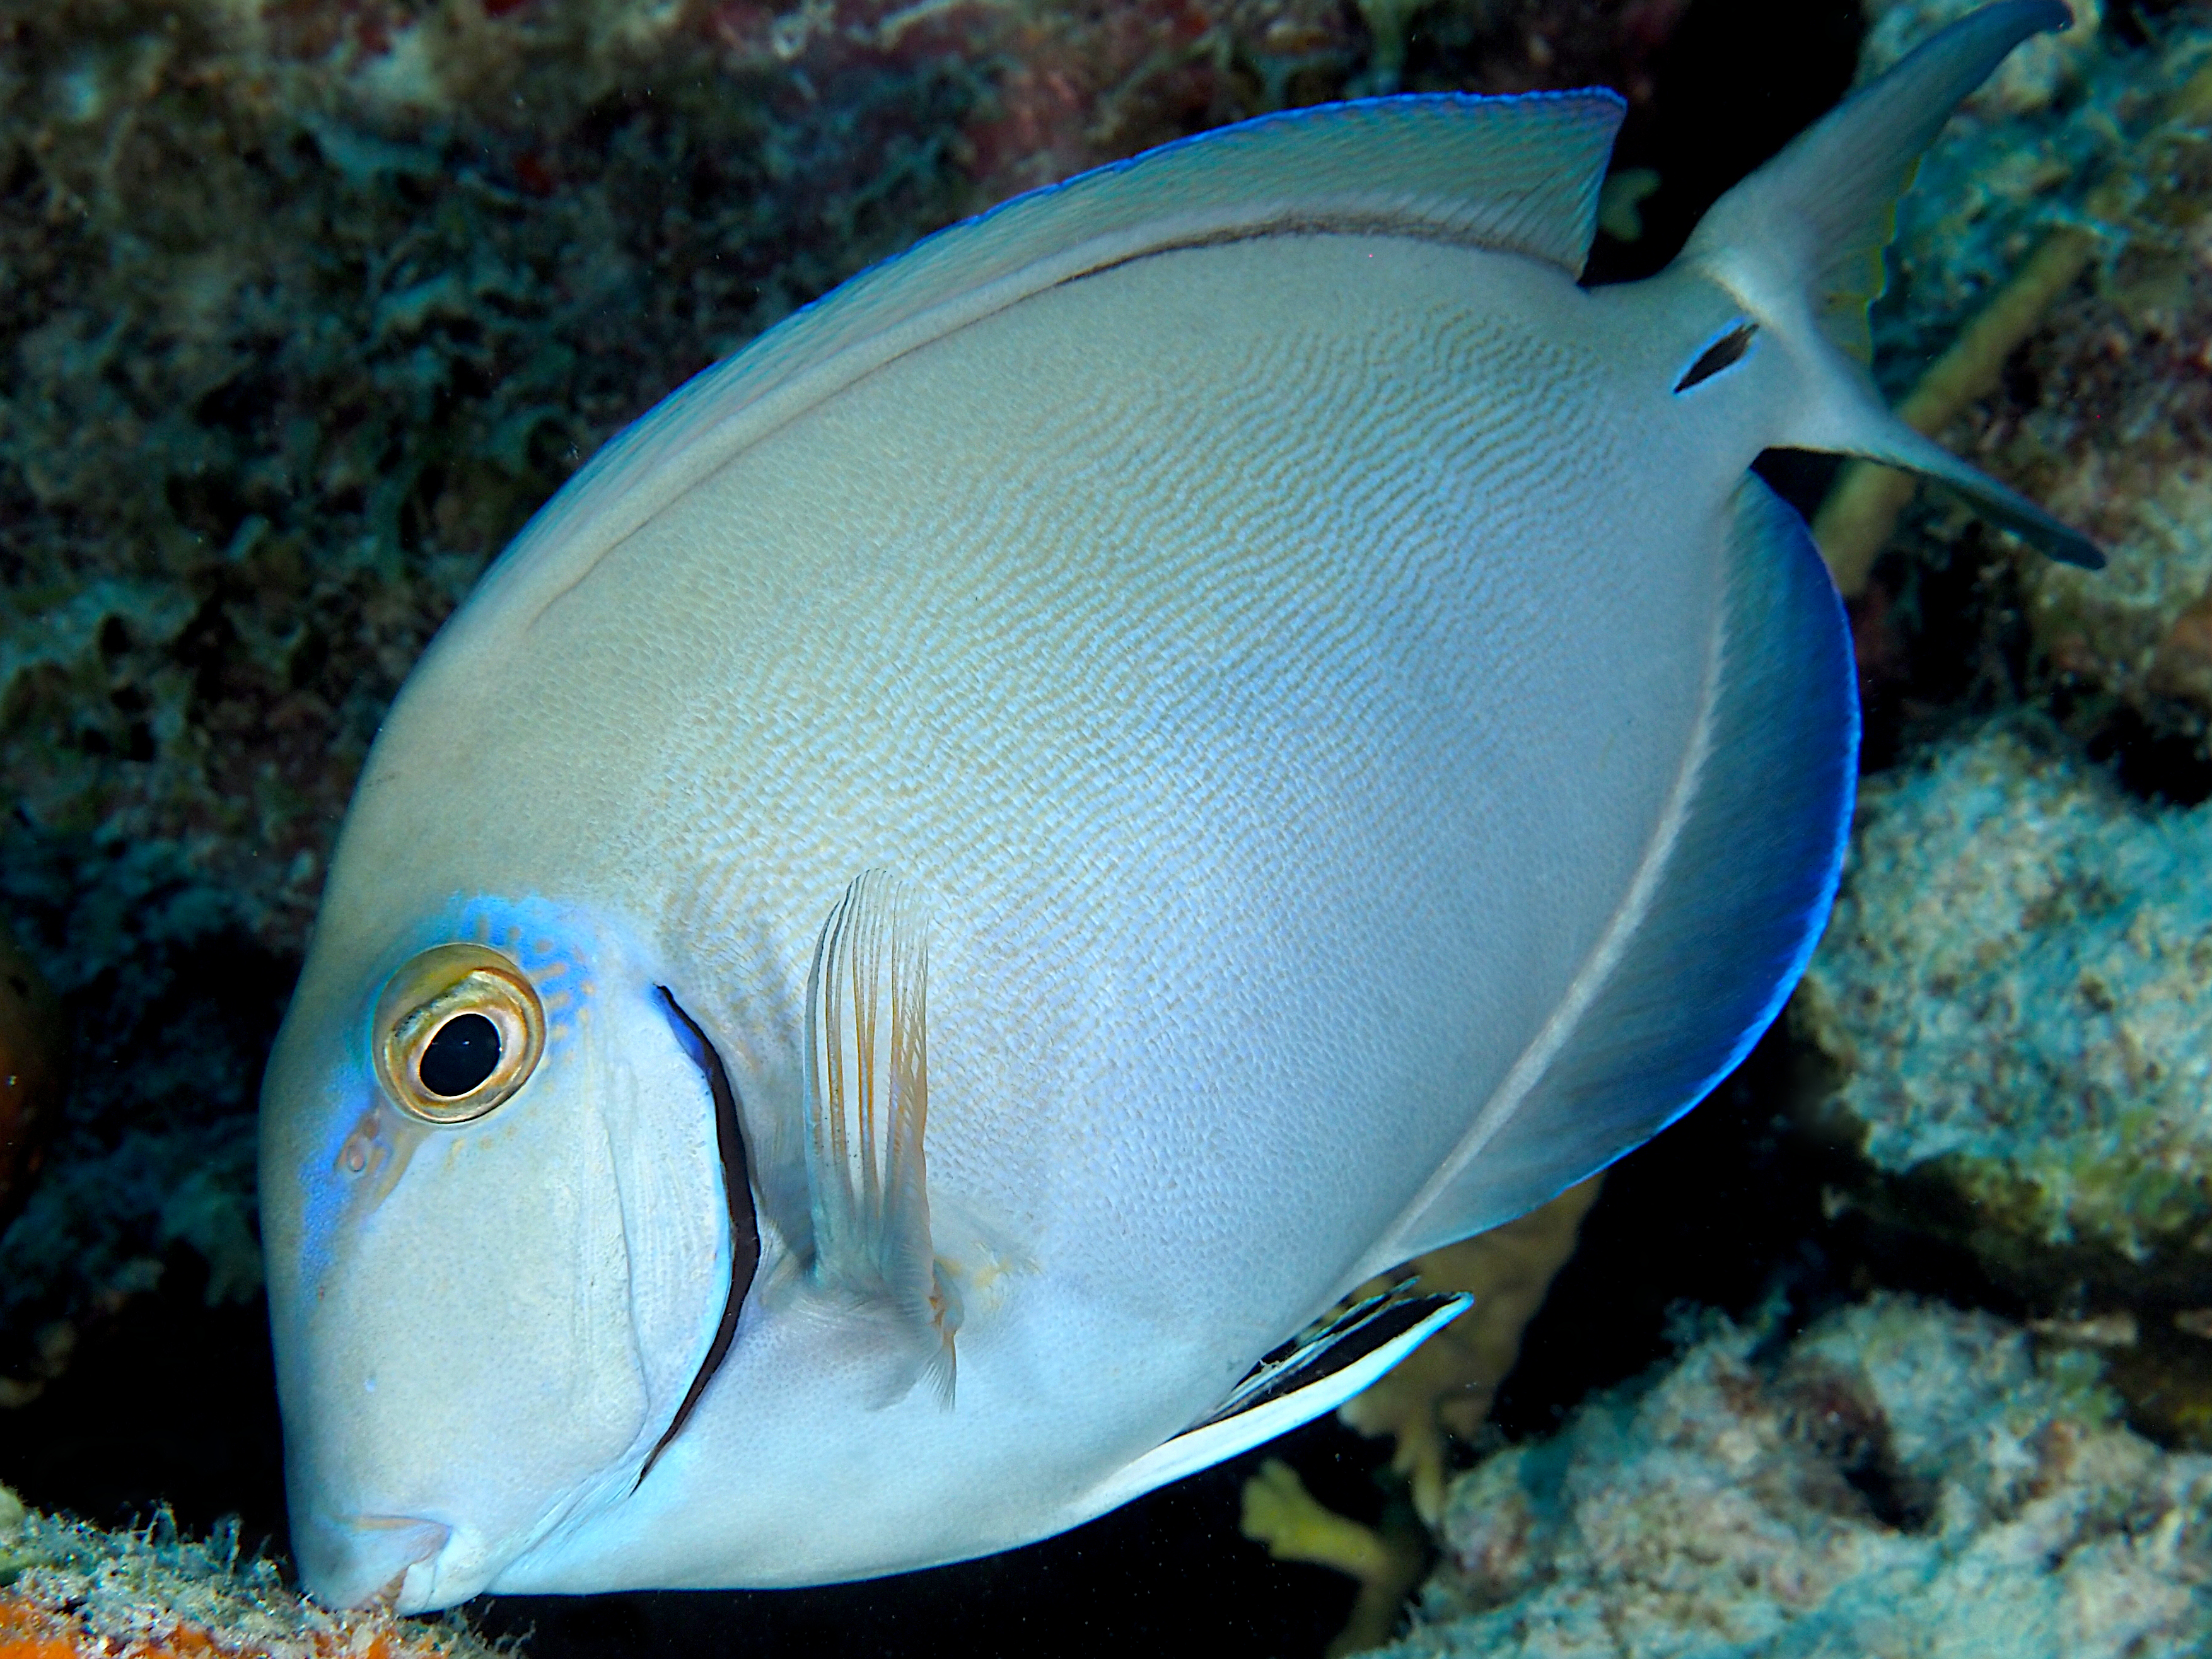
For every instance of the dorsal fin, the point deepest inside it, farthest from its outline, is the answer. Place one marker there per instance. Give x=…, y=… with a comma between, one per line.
x=866, y=1102
x=1519, y=174
x=1315, y=1372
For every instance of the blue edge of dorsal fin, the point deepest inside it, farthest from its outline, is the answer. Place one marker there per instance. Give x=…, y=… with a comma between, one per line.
x=1519, y=174
x=1738, y=905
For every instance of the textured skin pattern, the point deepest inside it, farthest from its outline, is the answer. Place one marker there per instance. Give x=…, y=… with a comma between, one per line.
x=1268, y=780
x=1516, y=174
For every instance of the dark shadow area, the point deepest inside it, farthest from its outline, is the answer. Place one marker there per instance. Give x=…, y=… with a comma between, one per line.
x=167, y=1402
x=2152, y=761
x=1736, y=81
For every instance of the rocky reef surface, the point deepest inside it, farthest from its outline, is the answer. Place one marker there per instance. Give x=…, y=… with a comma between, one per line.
x=67, y=1588
x=2005, y=1009
x=2072, y=192
x=2013, y=991
x=1901, y=1478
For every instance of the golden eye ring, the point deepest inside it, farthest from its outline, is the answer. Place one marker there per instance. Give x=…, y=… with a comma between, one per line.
x=458, y=1029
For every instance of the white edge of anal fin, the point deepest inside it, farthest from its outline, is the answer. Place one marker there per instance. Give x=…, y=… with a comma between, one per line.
x=1224, y=1437
x=865, y=1106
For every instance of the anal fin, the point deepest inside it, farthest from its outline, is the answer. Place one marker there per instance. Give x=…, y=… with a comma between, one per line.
x=866, y=1108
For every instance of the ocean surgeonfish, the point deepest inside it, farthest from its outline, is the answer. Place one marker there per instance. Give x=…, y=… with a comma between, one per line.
x=1188, y=739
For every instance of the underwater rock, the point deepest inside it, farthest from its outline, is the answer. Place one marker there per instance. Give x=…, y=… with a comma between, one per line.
x=69, y=1589
x=32, y=1049
x=1903, y=1478
x=2011, y=992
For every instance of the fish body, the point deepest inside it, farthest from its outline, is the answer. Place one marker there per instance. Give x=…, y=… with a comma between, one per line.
x=1194, y=739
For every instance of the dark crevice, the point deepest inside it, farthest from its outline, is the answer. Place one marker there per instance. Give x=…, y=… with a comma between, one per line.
x=2151, y=762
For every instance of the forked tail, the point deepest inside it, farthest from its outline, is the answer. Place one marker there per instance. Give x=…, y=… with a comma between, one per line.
x=1800, y=243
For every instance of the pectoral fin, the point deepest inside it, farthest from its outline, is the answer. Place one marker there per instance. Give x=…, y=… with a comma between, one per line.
x=866, y=1108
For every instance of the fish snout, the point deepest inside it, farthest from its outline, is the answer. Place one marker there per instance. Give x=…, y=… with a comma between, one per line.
x=352, y=1561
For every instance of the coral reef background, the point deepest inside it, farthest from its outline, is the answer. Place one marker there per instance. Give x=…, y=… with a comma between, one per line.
x=305, y=305
x=1901, y=1478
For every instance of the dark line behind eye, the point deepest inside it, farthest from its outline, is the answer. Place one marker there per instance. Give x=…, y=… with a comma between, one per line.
x=1723, y=353
x=744, y=1225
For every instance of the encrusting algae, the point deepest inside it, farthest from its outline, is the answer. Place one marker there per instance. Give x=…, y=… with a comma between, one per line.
x=1902, y=1478
x=2012, y=992
x=72, y=1591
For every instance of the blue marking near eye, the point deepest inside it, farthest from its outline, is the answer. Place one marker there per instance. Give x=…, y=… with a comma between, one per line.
x=543, y=938
x=328, y=1187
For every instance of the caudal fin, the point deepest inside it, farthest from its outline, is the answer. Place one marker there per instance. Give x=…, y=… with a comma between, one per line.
x=1800, y=245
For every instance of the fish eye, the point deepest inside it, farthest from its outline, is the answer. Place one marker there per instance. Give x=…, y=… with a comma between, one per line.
x=458, y=1029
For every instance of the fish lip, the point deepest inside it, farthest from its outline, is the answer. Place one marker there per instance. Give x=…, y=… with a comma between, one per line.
x=370, y=1560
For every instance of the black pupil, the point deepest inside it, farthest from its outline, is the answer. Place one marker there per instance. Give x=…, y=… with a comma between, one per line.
x=461, y=1056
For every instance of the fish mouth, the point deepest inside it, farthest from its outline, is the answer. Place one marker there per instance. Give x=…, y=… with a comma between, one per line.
x=372, y=1560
